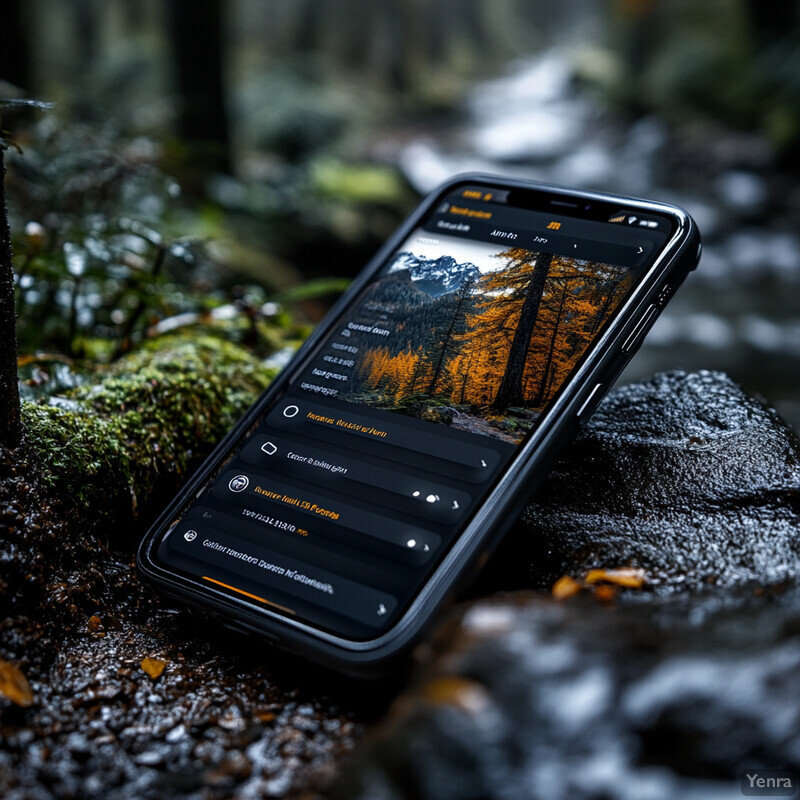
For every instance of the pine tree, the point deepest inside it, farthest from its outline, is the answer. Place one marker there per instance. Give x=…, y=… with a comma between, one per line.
x=450, y=344
x=530, y=283
x=548, y=362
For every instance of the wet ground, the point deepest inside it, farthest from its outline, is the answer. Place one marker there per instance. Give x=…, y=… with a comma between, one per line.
x=669, y=665
x=107, y=693
x=740, y=312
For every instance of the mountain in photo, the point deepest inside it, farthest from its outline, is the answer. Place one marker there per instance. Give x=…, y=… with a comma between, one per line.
x=397, y=292
x=435, y=276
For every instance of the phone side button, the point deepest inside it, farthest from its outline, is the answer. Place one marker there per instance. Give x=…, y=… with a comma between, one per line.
x=635, y=339
x=590, y=403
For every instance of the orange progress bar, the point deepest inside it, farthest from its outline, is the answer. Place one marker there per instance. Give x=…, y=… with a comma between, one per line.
x=247, y=594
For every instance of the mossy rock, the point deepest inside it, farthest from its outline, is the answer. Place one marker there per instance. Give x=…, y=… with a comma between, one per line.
x=154, y=413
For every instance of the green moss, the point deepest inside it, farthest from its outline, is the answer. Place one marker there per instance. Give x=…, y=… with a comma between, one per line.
x=154, y=413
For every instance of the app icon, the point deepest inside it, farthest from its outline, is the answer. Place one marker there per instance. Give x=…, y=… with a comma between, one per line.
x=269, y=448
x=239, y=483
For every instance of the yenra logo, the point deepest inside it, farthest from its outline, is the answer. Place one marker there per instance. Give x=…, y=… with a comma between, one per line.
x=239, y=483
x=768, y=783
x=553, y=226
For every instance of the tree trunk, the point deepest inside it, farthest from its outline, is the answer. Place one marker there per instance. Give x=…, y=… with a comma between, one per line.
x=87, y=28
x=15, y=61
x=540, y=394
x=467, y=372
x=773, y=20
x=510, y=391
x=9, y=387
x=601, y=314
x=196, y=32
x=310, y=28
x=463, y=294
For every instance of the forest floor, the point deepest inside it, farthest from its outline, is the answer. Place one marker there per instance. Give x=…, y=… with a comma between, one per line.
x=496, y=427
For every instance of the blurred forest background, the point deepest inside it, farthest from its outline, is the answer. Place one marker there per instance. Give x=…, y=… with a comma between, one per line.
x=235, y=162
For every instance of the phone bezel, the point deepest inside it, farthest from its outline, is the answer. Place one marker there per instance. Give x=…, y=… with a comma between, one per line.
x=601, y=364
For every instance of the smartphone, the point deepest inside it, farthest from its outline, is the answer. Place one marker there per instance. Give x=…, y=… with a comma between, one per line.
x=375, y=475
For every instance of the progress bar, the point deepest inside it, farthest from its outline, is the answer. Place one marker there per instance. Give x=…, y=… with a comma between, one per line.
x=247, y=594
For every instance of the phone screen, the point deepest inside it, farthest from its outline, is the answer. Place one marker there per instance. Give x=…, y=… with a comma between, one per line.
x=342, y=498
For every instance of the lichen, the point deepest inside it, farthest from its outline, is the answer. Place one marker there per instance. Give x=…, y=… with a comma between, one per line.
x=153, y=413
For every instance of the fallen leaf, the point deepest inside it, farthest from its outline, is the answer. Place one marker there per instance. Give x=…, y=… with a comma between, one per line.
x=95, y=624
x=462, y=693
x=605, y=593
x=630, y=577
x=565, y=587
x=153, y=667
x=14, y=685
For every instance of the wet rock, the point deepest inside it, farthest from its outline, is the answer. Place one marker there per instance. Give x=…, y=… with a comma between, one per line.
x=524, y=696
x=687, y=492
x=684, y=476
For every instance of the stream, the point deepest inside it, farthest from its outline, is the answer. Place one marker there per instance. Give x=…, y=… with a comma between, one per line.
x=740, y=311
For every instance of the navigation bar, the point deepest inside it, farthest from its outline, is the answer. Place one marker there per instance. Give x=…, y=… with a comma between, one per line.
x=544, y=241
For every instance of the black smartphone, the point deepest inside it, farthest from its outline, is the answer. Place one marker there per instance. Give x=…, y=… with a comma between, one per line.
x=379, y=469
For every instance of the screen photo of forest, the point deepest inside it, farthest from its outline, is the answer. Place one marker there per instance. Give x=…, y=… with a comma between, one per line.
x=482, y=348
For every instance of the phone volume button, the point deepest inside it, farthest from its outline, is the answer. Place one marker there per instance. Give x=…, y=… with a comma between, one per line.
x=642, y=326
x=590, y=403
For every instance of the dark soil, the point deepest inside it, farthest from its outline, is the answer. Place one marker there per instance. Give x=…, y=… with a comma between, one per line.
x=223, y=715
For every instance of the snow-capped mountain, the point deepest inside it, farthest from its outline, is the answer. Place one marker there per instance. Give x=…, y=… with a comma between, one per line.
x=435, y=276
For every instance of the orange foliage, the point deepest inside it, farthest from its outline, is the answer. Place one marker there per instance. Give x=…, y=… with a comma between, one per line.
x=395, y=375
x=578, y=298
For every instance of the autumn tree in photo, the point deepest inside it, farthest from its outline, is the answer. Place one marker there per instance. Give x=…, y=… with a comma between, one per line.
x=498, y=346
x=524, y=279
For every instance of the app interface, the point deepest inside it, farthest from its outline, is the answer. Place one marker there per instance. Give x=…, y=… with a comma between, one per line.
x=338, y=504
